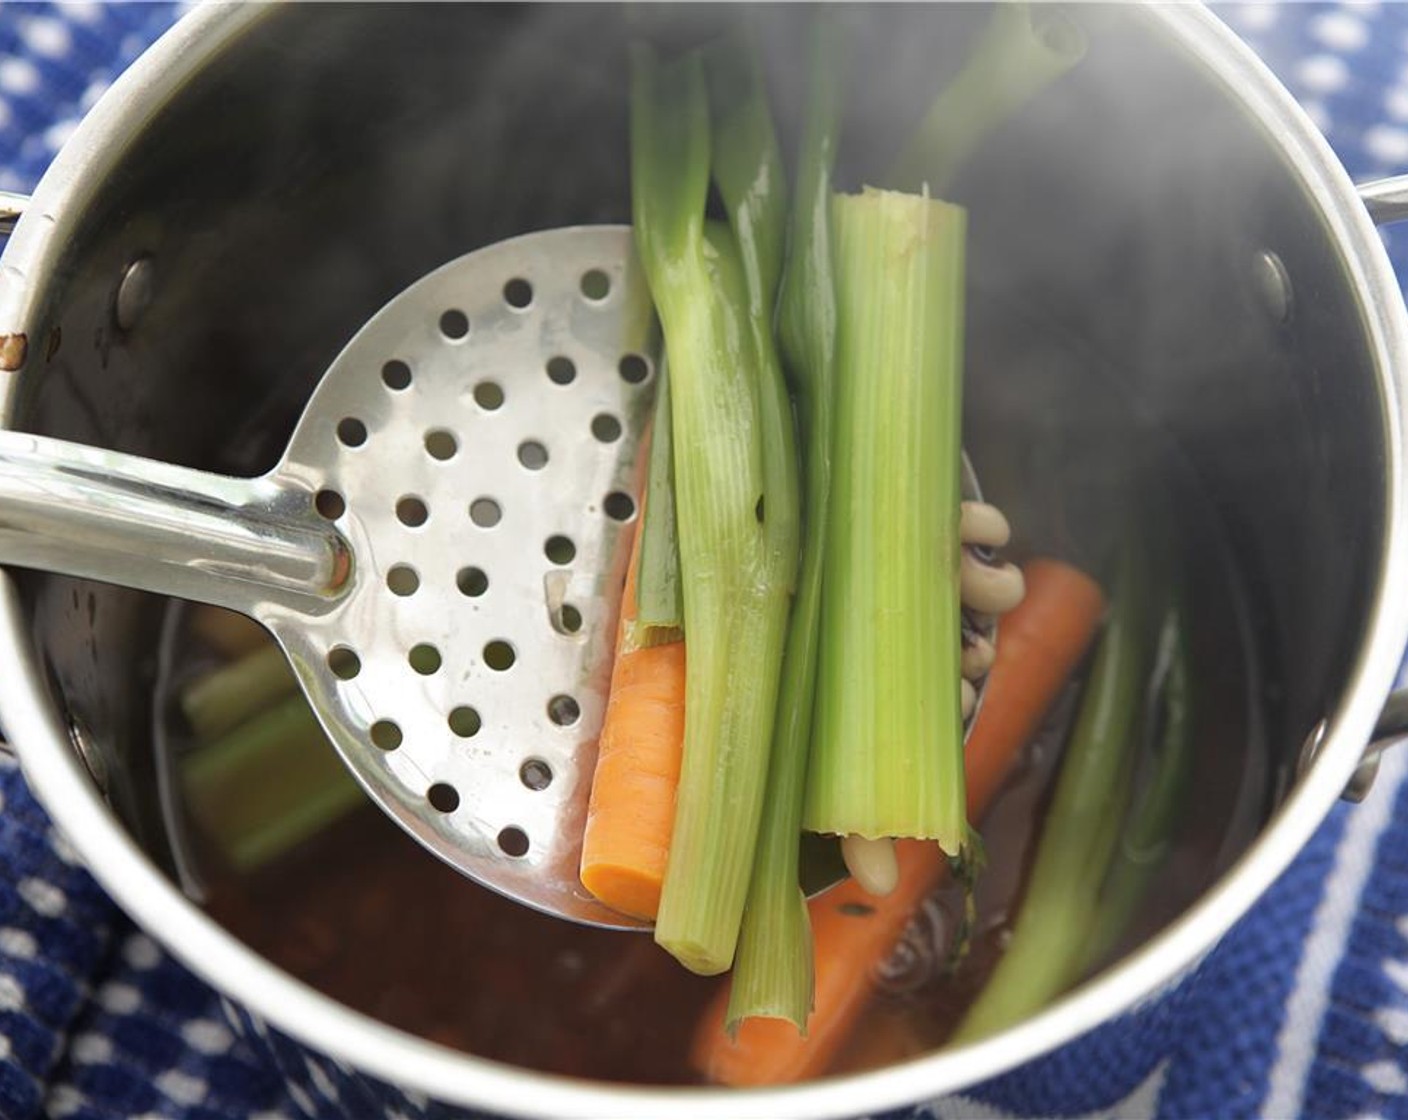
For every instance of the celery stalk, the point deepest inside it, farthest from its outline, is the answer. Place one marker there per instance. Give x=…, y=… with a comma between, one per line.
x=221, y=700
x=773, y=974
x=659, y=603
x=735, y=591
x=1082, y=829
x=887, y=746
x=1015, y=57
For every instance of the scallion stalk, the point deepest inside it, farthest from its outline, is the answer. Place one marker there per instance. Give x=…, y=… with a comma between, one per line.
x=1016, y=56
x=659, y=601
x=887, y=744
x=773, y=974
x=1050, y=939
x=1158, y=804
x=735, y=592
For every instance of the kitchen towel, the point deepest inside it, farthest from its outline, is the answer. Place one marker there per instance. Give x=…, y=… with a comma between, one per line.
x=1301, y=1011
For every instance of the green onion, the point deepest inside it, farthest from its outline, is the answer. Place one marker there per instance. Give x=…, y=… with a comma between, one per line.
x=1015, y=57
x=773, y=975
x=268, y=785
x=735, y=581
x=659, y=602
x=887, y=746
x=1050, y=939
x=1158, y=804
x=220, y=701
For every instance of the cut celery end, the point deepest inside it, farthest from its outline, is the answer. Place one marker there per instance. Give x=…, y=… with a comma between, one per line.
x=887, y=743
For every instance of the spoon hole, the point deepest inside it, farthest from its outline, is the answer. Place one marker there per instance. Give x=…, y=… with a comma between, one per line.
x=518, y=293
x=464, y=721
x=441, y=444
x=443, y=797
x=411, y=512
x=535, y=774
x=396, y=375
x=424, y=659
x=596, y=285
x=561, y=371
x=560, y=549
x=564, y=710
x=513, y=841
x=606, y=428
x=472, y=582
x=402, y=580
x=485, y=512
x=489, y=395
x=532, y=455
x=386, y=735
x=344, y=663
x=454, y=324
x=351, y=432
x=619, y=506
x=329, y=504
x=568, y=619
x=499, y=655
x=634, y=369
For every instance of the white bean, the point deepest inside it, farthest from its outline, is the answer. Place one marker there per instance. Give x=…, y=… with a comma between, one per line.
x=977, y=657
x=968, y=698
x=872, y=863
x=982, y=524
x=988, y=588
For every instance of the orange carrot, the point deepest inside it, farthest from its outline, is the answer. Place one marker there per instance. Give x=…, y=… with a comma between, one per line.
x=632, y=808
x=1039, y=646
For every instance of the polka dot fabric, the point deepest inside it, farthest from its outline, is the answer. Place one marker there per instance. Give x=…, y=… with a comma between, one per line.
x=1301, y=1011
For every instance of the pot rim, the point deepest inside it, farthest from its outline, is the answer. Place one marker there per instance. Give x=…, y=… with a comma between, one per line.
x=42, y=741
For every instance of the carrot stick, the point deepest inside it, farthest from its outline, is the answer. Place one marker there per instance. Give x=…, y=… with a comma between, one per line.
x=1039, y=646
x=632, y=807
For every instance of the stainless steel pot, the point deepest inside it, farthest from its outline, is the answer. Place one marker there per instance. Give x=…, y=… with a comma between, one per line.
x=1167, y=230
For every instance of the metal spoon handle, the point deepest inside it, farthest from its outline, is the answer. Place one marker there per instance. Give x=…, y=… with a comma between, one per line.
x=236, y=543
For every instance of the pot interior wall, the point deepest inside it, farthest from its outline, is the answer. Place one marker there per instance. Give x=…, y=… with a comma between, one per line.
x=336, y=153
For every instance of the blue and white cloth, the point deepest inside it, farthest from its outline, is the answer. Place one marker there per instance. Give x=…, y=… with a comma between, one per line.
x=1301, y=1011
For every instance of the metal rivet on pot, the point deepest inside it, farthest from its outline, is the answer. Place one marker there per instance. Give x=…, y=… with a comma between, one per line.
x=134, y=293
x=1310, y=749
x=1273, y=285
x=89, y=754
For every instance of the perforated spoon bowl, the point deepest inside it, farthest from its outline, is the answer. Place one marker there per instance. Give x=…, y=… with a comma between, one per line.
x=440, y=552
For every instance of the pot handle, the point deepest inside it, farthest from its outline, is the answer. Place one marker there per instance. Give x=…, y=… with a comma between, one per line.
x=1386, y=199
x=1387, y=202
x=11, y=207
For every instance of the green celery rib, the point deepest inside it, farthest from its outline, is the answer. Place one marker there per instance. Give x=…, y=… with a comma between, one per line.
x=773, y=974
x=887, y=746
x=659, y=601
x=735, y=592
x=1082, y=828
x=1158, y=806
x=267, y=785
x=1014, y=58
x=221, y=700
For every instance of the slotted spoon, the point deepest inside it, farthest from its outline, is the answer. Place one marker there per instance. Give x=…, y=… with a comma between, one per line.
x=440, y=551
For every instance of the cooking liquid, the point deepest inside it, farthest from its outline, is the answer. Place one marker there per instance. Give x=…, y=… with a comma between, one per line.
x=363, y=914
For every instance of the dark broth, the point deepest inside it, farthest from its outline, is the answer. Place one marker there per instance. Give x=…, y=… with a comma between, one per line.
x=363, y=914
